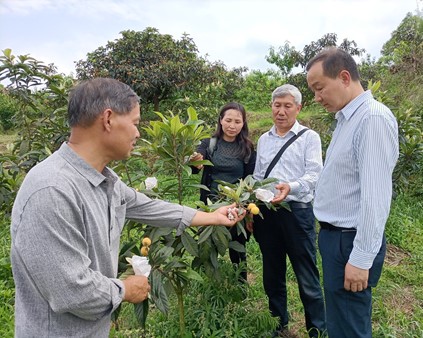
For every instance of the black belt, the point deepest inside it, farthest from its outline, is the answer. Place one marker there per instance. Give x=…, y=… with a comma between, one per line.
x=330, y=227
x=300, y=205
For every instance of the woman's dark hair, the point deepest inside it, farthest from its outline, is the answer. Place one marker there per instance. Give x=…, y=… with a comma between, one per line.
x=243, y=137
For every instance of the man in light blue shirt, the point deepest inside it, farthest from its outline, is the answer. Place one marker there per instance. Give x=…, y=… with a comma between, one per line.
x=354, y=191
x=281, y=232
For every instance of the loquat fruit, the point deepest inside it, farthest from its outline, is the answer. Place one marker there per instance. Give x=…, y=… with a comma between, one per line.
x=251, y=205
x=146, y=241
x=144, y=251
x=255, y=210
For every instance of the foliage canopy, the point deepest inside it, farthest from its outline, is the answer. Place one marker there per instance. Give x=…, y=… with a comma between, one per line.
x=156, y=66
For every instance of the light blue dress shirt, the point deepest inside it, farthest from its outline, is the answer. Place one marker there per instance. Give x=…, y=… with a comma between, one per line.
x=355, y=186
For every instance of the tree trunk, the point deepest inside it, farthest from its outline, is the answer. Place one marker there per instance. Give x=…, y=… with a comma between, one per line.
x=156, y=102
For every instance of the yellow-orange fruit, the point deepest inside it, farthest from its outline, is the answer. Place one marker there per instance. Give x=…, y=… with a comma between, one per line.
x=146, y=241
x=144, y=251
x=251, y=205
x=255, y=210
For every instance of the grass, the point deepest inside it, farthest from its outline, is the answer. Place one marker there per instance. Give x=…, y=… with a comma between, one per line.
x=5, y=140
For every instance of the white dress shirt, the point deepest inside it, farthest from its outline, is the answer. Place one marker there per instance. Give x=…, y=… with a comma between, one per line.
x=300, y=164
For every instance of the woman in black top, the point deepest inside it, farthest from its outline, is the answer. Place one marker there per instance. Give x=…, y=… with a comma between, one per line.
x=233, y=156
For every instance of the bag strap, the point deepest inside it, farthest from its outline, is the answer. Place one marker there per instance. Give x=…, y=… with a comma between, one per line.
x=212, y=146
x=281, y=151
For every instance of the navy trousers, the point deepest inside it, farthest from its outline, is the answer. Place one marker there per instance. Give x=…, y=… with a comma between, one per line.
x=284, y=233
x=349, y=314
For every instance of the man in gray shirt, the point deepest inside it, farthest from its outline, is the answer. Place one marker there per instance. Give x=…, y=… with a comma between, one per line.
x=68, y=216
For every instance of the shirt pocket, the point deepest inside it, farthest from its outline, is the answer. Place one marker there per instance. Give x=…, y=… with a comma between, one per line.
x=117, y=223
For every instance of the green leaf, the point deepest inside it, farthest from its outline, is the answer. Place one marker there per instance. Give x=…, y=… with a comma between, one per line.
x=205, y=234
x=158, y=293
x=237, y=246
x=189, y=244
x=213, y=258
x=189, y=275
x=126, y=249
x=244, y=196
x=156, y=233
x=192, y=113
x=128, y=272
x=141, y=312
x=175, y=264
x=160, y=256
x=220, y=238
x=266, y=181
x=7, y=52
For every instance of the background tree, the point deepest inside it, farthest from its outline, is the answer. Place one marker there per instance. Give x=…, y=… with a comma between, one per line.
x=256, y=91
x=8, y=108
x=216, y=85
x=155, y=65
x=39, y=97
x=287, y=58
x=404, y=50
x=401, y=73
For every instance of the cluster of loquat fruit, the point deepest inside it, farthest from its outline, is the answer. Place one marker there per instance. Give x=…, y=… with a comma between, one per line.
x=146, y=242
x=253, y=208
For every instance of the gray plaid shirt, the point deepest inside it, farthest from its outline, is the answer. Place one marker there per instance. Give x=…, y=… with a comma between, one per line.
x=66, y=226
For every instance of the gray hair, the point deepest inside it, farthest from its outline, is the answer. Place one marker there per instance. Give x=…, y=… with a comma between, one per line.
x=92, y=97
x=287, y=89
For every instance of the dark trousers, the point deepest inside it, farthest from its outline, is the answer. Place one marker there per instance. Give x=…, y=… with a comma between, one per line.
x=284, y=233
x=349, y=314
x=239, y=259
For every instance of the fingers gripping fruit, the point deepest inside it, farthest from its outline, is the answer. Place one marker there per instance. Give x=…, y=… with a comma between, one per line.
x=146, y=242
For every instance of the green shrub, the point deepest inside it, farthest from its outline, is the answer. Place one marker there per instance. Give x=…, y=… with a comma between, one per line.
x=218, y=308
x=7, y=288
x=256, y=93
x=8, y=109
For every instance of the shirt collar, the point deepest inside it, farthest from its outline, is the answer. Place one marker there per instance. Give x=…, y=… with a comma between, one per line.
x=352, y=106
x=295, y=129
x=87, y=171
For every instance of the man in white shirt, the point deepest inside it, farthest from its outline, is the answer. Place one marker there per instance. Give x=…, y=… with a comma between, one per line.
x=292, y=233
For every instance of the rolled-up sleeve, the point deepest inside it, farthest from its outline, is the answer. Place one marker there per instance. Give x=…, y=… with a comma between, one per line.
x=156, y=212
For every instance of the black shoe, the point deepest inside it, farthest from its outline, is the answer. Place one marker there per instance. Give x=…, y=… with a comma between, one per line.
x=275, y=334
x=284, y=332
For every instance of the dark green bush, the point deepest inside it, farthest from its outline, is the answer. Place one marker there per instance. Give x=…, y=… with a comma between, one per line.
x=8, y=109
